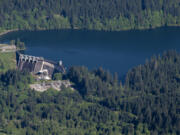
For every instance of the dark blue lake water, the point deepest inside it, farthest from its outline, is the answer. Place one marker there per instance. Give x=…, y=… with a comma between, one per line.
x=115, y=51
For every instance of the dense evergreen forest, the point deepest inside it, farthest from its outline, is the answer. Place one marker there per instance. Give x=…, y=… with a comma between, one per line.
x=147, y=103
x=88, y=14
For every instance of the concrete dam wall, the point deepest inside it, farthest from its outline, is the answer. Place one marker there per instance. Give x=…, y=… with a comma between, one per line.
x=37, y=65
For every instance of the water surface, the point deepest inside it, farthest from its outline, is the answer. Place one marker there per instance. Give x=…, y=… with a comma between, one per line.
x=115, y=51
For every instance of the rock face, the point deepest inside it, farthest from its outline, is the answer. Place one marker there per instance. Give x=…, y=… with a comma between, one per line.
x=38, y=65
x=57, y=85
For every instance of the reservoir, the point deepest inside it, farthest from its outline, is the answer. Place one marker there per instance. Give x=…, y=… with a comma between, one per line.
x=114, y=51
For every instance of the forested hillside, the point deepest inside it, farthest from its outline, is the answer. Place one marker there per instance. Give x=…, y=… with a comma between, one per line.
x=148, y=103
x=88, y=14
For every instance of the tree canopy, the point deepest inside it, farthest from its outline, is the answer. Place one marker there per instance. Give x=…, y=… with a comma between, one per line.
x=88, y=14
x=147, y=103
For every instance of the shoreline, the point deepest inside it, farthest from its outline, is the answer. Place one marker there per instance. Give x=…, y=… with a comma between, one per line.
x=138, y=29
x=7, y=31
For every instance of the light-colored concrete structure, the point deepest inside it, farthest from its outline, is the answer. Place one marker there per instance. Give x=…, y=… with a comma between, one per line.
x=39, y=66
x=7, y=48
